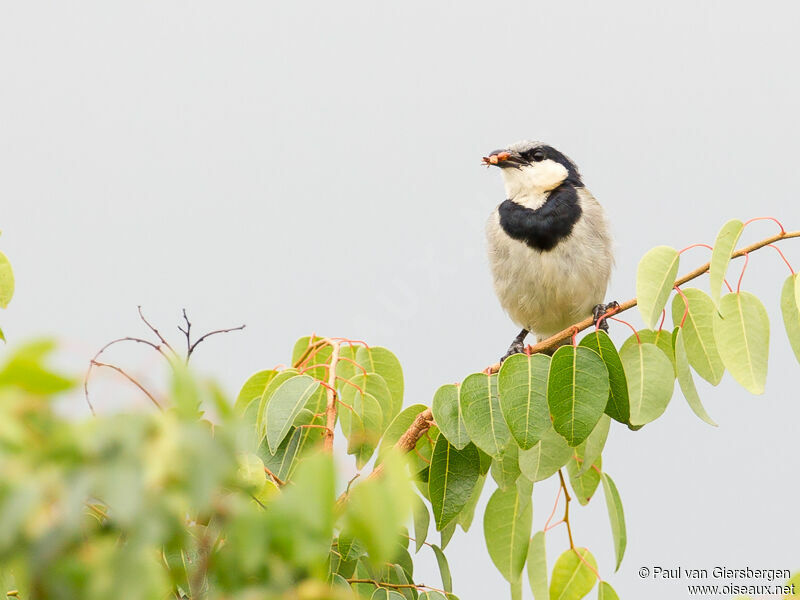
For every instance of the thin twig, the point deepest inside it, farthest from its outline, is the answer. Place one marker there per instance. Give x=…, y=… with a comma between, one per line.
x=129, y=378
x=278, y=481
x=209, y=334
x=417, y=586
x=567, y=499
x=331, y=396
x=154, y=330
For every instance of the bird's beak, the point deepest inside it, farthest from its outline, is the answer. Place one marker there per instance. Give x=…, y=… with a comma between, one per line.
x=500, y=158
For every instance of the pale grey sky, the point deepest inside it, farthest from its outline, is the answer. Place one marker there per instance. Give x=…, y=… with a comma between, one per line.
x=314, y=166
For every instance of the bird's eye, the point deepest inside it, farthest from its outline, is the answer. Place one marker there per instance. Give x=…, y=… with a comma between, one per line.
x=538, y=155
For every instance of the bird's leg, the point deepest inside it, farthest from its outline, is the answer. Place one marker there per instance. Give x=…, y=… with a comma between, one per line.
x=517, y=346
x=604, y=310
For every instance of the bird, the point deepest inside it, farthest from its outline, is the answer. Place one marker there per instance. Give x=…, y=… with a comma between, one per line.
x=549, y=243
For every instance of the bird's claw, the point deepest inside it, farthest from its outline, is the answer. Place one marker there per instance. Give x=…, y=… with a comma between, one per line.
x=516, y=347
x=600, y=311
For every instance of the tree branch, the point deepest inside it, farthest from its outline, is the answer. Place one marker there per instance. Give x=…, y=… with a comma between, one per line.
x=331, y=391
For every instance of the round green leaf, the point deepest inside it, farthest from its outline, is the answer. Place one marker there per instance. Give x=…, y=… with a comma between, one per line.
x=446, y=410
x=453, y=474
x=522, y=385
x=253, y=389
x=661, y=338
x=577, y=392
x=685, y=379
x=590, y=450
x=285, y=404
x=468, y=512
x=616, y=517
x=586, y=484
x=372, y=385
x=537, y=566
x=655, y=279
x=606, y=592
x=507, y=527
x=386, y=594
x=572, y=577
x=698, y=330
x=383, y=362
x=618, y=407
x=651, y=380
x=721, y=255
x=363, y=422
x=790, y=308
x=546, y=457
x=505, y=468
x=6, y=281
x=480, y=409
x=741, y=329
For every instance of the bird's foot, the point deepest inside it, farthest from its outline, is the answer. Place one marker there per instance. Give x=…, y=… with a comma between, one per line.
x=601, y=311
x=517, y=346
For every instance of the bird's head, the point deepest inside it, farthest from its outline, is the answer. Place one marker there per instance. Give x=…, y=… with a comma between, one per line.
x=532, y=167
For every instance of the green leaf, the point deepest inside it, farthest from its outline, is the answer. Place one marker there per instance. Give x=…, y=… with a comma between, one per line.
x=305, y=509
x=685, y=379
x=422, y=522
x=507, y=527
x=651, y=380
x=483, y=419
x=253, y=389
x=721, y=256
x=447, y=534
x=655, y=279
x=385, y=594
x=617, y=518
x=378, y=509
x=606, y=592
x=383, y=362
x=584, y=485
x=577, y=392
x=618, y=407
x=790, y=308
x=522, y=386
x=6, y=281
x=537, y=566
x=590, y=450
x=362, y=425
x=2, y=335
x=26, y=370
x=452, y=476
x=432, y=595
x=516, y=590
x=273, y=384
x=444, y=568
x=572, y=578
x=467, y=513
x=374, y=386
x=505, y=468
x=741, y=329
x=661, y=338
x=283, y=461
x=446, y=410
x=284, y=406
x=698, y=330
x=545, y=458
